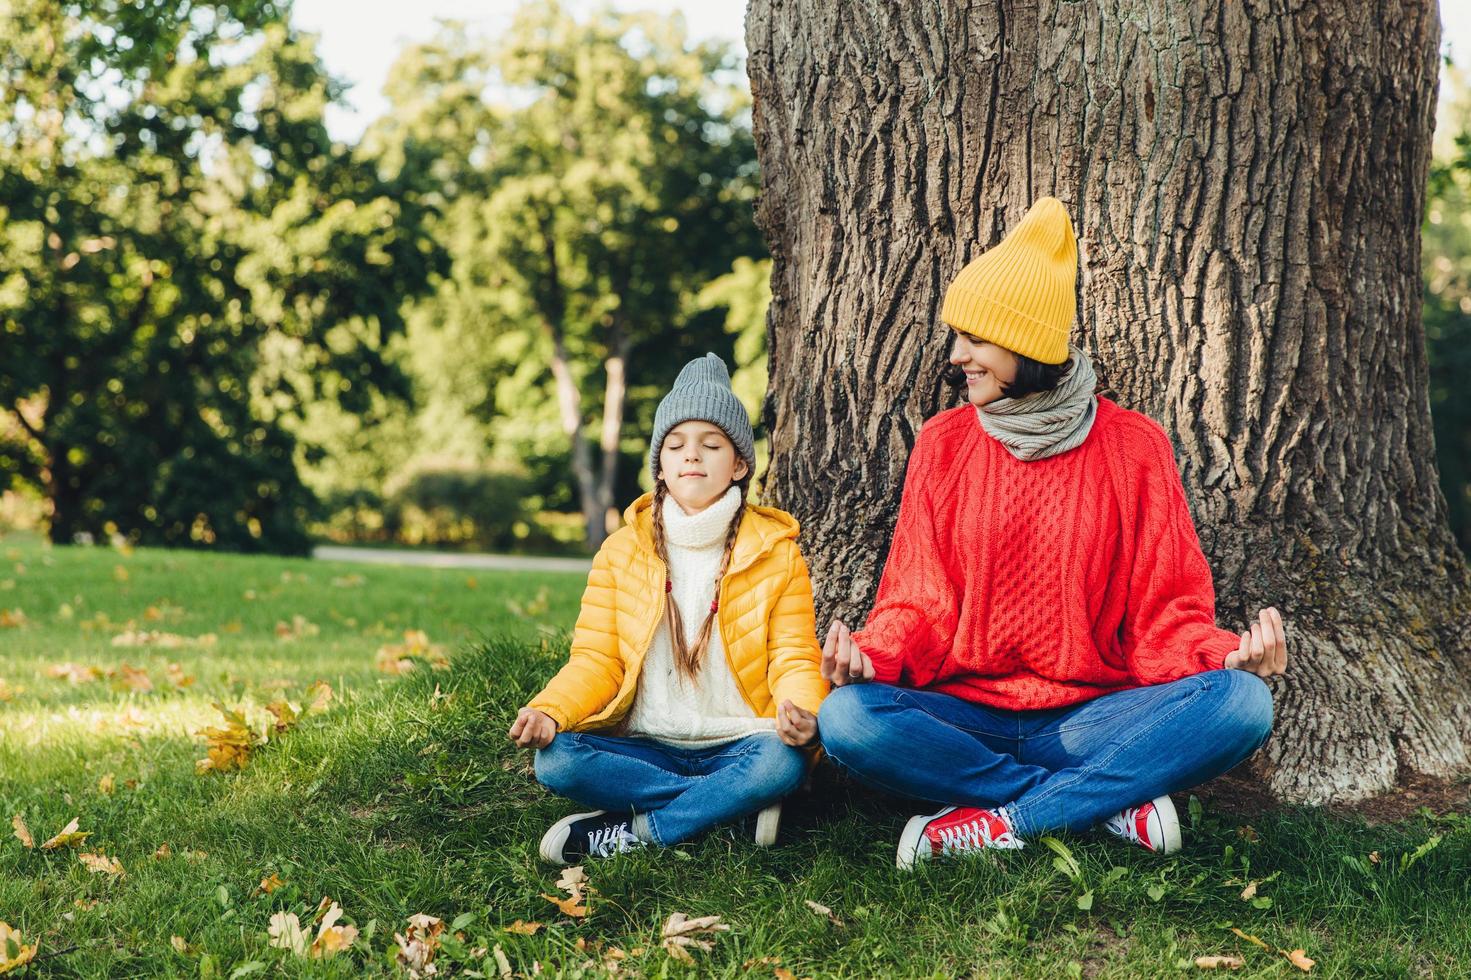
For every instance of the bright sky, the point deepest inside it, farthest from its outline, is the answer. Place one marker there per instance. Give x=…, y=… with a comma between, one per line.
x=361, y=38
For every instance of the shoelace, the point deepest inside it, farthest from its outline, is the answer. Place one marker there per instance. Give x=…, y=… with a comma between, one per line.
x=1126, y=824
x=972, y=835
x=607, y=841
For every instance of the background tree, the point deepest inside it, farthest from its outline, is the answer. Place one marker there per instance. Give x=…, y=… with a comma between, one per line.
x=1447, y=262
x=186, y=261
x=1248, y=192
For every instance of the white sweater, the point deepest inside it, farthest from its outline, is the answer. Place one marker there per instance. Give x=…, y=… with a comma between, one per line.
x=668, y=706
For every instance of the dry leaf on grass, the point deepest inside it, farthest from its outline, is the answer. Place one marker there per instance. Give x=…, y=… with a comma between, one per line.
x=14, y=953
x=400, y=658
x=69, y=837
x=285, y=932
x=286, y=716
x=824, y=910
x=574, y=882
x=177, y=677
x=130, y=678
x=521, y=928
x=418, y=945
x=74, y=673
x=12, y=618
x=1299, y=959
x=101, y=864
x=1219, y=962
x=298, y=628
x=230, y=746
x=1249, y=892
x=320, y=694
x=1250, y=938
x=180, y=945
x=22, y=832
x=164, y=852
x=681, y=934
x=107, y=784
x=269, y=884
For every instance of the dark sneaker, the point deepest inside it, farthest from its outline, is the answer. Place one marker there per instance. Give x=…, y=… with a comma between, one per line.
x=583, y=835
x=768, y=822
x=1154, y=826
x=954, y=830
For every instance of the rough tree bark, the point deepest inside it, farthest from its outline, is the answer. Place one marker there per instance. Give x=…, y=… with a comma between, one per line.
x=1247, y=182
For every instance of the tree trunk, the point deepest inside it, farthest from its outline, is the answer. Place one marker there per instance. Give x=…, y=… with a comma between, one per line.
x=1247, y=186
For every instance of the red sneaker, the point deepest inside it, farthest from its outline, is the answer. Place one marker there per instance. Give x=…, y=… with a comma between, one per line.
x=1154, y=826
x=954, y=830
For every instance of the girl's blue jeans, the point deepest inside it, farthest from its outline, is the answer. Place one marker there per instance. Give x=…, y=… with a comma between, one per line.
x=1058, y=769
x=682, y=792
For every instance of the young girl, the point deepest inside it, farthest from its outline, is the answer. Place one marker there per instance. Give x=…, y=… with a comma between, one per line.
x=695, y=655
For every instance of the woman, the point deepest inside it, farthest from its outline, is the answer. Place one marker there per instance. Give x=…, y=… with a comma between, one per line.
x=1042, y=653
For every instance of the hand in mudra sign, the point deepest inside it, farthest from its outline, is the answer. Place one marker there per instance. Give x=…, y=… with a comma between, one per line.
x=842, y=661
x=1263, y=649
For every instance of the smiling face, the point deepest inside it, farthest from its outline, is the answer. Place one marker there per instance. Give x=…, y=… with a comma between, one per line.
x=698, y=463
x=987, y=367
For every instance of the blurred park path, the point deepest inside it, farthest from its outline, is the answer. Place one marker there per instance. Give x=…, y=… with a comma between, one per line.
x=445, y=559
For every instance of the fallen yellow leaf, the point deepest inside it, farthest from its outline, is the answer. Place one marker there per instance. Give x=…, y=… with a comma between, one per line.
x=1250, y=938
x=106, y=784
x=270, y=883
x=1299, y=959
x=419, y=944
x=521, y=928
x=69, y=837
x=321, y=696
x=1249, y=892
x=179, y=944
x=12, y=618
x=74, y=673
x=229, y=747
x=177, y=677
x=163, y=852
x=286, y=715
x=14, y=953
x=22, y=832
x=1219, y=962
x=570, y=906
x=681, y=934
x=100, y=864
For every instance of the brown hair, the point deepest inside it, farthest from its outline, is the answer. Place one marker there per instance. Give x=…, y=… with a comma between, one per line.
x=687, y=657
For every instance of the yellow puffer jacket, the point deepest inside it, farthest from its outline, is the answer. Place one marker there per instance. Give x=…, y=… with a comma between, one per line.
x=765, y=620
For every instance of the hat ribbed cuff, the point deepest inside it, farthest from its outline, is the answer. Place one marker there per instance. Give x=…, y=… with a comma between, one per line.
x=992, y=320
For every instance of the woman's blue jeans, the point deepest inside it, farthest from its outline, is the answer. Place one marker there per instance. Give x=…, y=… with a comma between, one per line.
x=1058, y=769
x=681, y=791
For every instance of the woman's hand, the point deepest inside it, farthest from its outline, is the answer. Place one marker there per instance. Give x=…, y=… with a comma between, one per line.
x=842, y=661
x=795, y=726
x=1263, y=649
x=533, y=729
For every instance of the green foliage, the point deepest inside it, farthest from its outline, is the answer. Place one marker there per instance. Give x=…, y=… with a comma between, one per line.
x=1446, y=258
x=185, y=262
x=459, y=506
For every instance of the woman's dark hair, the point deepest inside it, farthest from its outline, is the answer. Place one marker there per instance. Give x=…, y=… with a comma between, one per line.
x=1032, y=376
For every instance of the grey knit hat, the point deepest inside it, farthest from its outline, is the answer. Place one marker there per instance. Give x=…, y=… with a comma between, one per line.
x=702, y=392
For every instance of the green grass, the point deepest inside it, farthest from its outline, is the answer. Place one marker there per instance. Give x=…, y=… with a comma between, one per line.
x=395, y=802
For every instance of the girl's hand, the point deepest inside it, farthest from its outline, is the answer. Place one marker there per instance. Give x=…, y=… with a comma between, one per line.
x=842, y=661
x=533, y=729
x=795, y=726
x=1263, y=649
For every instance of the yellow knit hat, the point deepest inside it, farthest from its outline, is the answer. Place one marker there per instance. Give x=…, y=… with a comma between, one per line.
x=1021, y=294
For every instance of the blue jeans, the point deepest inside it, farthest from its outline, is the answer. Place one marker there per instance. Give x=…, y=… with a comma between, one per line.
x=682, y=792
x=1057, y=769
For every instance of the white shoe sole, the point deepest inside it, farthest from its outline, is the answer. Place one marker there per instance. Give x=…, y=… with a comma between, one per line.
x=1169, y=823
x=555, y=838
x=768, y=822
x=909, y=850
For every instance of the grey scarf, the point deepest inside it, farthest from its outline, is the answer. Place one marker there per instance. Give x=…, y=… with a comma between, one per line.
x=1046, y=423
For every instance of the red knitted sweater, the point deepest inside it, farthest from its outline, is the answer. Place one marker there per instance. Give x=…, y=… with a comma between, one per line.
x=1037, y=585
